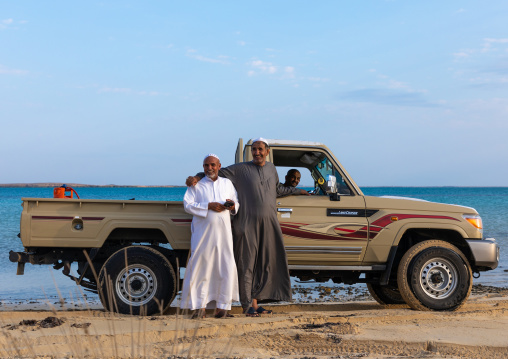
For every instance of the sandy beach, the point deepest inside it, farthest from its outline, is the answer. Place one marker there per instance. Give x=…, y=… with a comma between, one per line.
x=355, y=329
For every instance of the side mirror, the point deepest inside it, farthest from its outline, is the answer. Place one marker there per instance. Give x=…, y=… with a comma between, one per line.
x=331, y=184
x=331, y=188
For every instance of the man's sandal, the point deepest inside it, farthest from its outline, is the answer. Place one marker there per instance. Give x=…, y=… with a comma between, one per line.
x=198, y=314
x=223, y=314
x=262, y=310
x=251, y=312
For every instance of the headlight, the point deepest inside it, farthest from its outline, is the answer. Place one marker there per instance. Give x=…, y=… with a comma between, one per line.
x=474, y=219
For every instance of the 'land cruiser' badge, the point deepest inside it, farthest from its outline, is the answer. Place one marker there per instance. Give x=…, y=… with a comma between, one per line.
x=343, y=212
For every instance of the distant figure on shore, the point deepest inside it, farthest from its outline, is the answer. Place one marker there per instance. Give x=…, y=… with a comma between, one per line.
x=211, y=279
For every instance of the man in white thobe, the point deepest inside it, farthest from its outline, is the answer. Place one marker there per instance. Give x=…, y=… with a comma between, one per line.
x=211, y=279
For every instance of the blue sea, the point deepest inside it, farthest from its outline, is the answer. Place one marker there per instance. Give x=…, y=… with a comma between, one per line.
x=41, y=282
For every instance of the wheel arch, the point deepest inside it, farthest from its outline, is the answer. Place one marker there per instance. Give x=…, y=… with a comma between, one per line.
x=410, y=235
x=142, y=231
x=152, y=237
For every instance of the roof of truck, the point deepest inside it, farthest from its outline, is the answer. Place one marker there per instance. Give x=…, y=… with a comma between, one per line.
x=272, y=142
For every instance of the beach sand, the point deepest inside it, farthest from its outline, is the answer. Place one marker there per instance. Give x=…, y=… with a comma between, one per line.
x=356, y=329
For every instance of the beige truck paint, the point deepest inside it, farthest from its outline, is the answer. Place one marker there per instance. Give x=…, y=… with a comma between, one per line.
x=51, y=222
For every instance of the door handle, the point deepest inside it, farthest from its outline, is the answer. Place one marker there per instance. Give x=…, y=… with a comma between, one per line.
x=284, y=209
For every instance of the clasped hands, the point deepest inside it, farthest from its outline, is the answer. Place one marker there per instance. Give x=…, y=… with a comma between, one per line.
x=219, y=207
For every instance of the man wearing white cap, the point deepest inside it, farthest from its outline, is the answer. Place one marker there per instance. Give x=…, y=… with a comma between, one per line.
x=211, y=279
x=258, y=245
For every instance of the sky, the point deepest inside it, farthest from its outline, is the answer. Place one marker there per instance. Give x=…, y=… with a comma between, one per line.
x=404, y=93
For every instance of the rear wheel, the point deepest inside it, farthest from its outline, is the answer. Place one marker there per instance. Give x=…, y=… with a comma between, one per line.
x=137, y=280
x=385, y=294
x=434, y=275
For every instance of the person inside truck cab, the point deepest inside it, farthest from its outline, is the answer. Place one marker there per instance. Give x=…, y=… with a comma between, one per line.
x=292, y=178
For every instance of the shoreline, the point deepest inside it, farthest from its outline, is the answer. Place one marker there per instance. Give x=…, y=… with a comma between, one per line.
x=351, y=329
x=302, y=296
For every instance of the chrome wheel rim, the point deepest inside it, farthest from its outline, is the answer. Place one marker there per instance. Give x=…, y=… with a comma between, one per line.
x=438, y=278
x=136, y=285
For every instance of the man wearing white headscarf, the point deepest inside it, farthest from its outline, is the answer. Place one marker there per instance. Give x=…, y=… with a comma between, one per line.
x=211, y=279
x=259, y=248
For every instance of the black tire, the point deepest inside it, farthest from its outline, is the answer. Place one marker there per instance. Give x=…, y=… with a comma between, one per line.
x=434, y=275
x=145, y=285
x=385, y=294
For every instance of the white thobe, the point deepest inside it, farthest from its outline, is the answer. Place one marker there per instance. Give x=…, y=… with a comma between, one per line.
x=211, y=279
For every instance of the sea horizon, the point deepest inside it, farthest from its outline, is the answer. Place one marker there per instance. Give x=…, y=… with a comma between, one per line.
x=58, y=184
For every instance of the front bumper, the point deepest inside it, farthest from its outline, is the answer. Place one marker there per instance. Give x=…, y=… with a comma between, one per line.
x=485, y=253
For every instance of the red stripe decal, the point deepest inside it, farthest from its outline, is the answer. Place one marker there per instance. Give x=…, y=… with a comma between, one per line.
x=51, y=217
x=312, y=235
x=386, y=220
x=67, y=218
x=181, y=220
x=345, y=230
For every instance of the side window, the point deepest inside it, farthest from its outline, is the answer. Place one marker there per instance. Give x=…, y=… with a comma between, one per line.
x=313, y=166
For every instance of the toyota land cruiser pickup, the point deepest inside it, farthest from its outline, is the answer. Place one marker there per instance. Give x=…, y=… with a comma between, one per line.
x=408, y=251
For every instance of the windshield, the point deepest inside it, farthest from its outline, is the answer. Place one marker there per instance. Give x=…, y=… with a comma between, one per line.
x=320, y=174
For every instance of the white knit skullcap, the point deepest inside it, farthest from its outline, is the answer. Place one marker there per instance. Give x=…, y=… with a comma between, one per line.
x=261, y=139
x=211, y=155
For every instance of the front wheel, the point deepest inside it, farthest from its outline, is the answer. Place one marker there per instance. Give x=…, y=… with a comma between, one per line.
x=434, y=275
x=385, y=294
x=137, y=280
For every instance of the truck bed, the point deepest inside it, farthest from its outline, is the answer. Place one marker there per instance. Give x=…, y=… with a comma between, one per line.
x=87, y=223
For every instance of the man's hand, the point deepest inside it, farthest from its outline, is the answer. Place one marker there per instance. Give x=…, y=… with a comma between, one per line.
x=304, y=192
x=191, y=181
x=232, y=207
x=216, y=207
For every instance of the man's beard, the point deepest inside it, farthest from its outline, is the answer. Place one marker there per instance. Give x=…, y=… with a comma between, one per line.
x=211, y=175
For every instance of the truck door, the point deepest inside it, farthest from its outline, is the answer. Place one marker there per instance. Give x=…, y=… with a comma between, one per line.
x=317, y=229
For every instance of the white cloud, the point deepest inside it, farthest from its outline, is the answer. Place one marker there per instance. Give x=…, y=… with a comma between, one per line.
x=462, y=54
x=9, y=23
x=208, y=59
x=318, y=79
x=488, y=45
x=502, y=41
x=259, y=67
x=219, y=60
x=289, y=71
x=4, y=70
x=486, y=65
x=262, y=67
x=5, y=23
x=387, y=82
x=128, y=91
x=115, y=90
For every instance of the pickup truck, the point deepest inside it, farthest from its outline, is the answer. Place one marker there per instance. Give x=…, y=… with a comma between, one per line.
x=130, y=252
